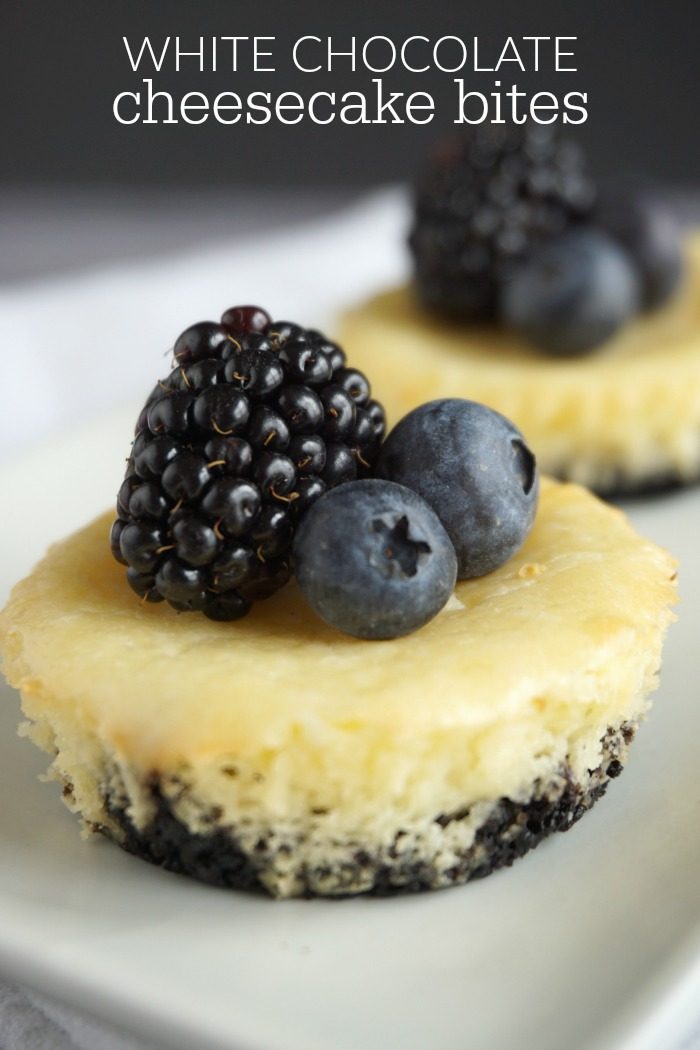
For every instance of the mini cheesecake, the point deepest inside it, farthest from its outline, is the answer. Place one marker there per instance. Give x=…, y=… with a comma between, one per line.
x=623, y=419
x=274, y=753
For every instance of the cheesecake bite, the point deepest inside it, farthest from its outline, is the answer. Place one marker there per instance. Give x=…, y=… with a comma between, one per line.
x=331, y=683
x=571, y=308
x=276, y=753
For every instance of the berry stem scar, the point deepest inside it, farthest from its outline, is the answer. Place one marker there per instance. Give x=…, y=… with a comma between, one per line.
x=224, y=433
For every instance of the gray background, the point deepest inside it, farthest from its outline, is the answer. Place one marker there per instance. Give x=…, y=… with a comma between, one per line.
x=64, y=62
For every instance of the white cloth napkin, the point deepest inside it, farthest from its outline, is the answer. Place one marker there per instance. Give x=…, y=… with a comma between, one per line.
x=33, y=1022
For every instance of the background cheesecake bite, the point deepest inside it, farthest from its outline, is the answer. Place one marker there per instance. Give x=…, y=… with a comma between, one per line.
x=276, y=754
x=625, y=419
x=571, y=308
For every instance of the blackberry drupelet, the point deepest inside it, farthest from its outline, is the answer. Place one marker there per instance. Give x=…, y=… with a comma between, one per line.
x=488, y=197
x=256, y=421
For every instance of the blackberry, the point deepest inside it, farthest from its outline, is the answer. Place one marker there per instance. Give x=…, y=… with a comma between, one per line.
x=489, y=196
x=256, y=421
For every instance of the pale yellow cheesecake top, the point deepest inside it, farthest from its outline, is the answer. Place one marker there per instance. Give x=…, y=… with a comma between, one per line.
x=631, y=407
x=522, y=668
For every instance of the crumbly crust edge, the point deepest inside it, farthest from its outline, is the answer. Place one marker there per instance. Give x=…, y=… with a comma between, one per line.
x=451, y=849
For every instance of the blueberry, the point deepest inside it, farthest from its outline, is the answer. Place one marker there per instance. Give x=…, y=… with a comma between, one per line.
x=571, y=294
x=373, y=560
x=472, y=466
x=645, y=228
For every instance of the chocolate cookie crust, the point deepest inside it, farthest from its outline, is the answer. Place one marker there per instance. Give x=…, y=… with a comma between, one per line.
x=508, y=830
x=621, y=488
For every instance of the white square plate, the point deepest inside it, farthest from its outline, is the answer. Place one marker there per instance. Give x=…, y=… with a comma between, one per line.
x=584, y=943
